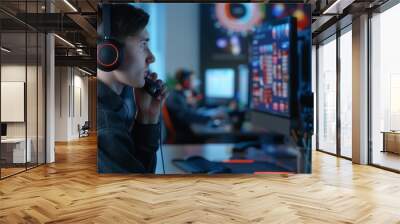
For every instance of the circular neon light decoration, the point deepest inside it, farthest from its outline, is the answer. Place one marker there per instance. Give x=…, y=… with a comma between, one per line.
x=278, y=10
x=302, y=19
x=238, y=17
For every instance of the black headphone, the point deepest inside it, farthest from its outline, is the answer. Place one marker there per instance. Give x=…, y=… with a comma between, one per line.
x=110, y=52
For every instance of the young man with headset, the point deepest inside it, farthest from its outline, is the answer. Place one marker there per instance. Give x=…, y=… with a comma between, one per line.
x=127, y=115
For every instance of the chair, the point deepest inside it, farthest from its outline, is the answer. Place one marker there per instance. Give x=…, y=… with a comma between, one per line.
x=171, y=133
x=84, y=130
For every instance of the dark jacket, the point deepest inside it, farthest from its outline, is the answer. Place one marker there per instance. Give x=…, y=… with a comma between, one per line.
x=183, y=115
x=123, y=147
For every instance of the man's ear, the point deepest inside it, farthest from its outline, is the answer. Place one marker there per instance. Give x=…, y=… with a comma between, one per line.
x=126, y=58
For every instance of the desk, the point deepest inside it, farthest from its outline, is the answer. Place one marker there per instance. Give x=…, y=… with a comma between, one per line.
x=13, y=150
x=224, y=133
x=211, y=152
x=391, y=141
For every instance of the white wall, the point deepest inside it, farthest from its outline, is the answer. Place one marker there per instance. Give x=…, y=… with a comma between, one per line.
x=182, y=37
x=12, y=73
x=69, y=82
x=61, y=105
x=33, y=126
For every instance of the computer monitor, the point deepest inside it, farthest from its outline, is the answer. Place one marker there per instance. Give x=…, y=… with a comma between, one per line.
x=273, y=73
x=3, y=129
x=243, y=96
x=219, y=85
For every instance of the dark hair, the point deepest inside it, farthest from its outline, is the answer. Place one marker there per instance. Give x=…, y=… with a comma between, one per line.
x=182, y=74
x=126, y=20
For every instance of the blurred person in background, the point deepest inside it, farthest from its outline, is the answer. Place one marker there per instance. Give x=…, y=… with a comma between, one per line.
x=182, y=105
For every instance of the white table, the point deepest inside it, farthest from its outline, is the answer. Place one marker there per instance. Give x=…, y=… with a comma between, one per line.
x=391, y=141
x=19, y=154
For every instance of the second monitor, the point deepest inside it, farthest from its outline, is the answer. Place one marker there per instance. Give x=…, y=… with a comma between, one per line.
x=273, y=76
x=273, y=68
x=219, y=85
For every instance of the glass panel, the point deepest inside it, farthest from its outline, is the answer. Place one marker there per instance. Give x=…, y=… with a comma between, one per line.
x=327, y=96
x=346, y=94
x=32, y=85
x=23, y=82
x=13, y=86
x=385, y=84
x=32, y=98
x=41, y=99
x=41, y=90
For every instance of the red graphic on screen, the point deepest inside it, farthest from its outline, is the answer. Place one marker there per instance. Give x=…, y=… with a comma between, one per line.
x=270, y=69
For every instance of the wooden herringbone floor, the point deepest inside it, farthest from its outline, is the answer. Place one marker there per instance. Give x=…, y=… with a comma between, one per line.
x=70, y=191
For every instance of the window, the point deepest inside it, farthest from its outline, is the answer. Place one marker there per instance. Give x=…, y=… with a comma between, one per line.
x=327, y=96
x=385, y=88
x=346, y=93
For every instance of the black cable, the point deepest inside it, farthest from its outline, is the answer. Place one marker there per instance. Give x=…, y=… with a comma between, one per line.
x=162, y=155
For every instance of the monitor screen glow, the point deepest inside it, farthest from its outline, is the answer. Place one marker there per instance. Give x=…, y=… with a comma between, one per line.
x=271, y=69
x=220, y=83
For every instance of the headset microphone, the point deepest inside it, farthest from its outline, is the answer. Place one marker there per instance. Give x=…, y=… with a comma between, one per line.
x=152, y=87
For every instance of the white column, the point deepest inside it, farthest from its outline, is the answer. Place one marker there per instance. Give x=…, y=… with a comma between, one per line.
x=360, y=90
x=314, y=89
x=50, y=93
